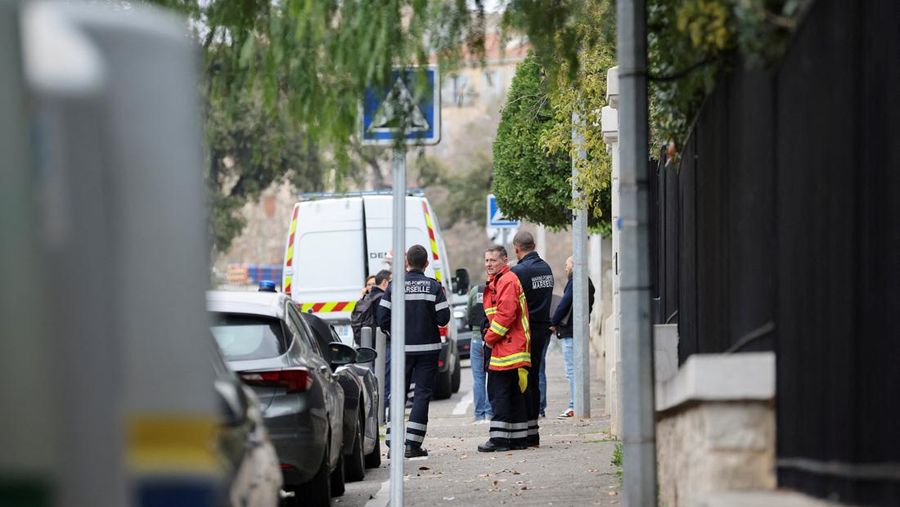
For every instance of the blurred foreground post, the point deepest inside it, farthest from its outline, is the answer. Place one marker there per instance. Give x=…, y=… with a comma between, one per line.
x=29, y=433
x=119, y=153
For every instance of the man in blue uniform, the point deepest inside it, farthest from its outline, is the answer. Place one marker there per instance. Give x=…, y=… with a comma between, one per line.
x=537, y=281
x=426, y=310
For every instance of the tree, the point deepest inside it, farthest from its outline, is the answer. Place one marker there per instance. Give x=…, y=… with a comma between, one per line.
x=529, y=183
x=534, y=148
x=583, y=92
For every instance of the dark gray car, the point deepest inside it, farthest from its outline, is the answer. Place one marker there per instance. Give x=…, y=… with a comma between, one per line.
x=273, y=350
x=363, y=403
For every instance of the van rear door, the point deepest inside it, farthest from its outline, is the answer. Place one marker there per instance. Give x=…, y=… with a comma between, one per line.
x=327, y=264
x=379, y=230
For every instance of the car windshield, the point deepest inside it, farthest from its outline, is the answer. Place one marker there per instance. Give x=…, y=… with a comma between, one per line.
x=243, y=337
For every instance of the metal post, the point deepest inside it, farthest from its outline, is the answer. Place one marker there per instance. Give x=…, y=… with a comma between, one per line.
x=380, y=345
x=365, y=337
x=580, y=287
x=638, y=428
x=398, y=321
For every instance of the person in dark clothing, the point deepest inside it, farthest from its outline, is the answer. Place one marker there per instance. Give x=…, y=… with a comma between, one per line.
x=426, y=309
x=561, y=323
x=363, y=314
x=478, y=324
x=536, y=278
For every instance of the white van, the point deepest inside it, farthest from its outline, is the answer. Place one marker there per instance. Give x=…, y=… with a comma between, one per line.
x=336, y=240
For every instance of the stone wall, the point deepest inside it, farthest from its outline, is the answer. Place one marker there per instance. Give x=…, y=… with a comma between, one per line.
x=715, y=429
x=715, y=446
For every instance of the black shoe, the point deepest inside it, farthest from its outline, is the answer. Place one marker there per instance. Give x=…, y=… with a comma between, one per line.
x=490, y=446
x=415, y=451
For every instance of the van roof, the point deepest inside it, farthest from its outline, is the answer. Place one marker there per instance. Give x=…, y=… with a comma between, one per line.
x=315, y=196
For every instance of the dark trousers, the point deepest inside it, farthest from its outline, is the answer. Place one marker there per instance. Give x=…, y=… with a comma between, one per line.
x=421, y=371
x=540, y=337
x=509, y=426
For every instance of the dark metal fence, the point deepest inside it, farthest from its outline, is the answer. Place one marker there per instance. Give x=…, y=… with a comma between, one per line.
x=780, y=230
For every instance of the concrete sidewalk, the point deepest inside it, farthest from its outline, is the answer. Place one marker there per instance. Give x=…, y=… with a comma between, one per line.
x=572, y=466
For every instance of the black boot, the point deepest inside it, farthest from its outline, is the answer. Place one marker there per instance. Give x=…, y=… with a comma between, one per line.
x=518, y=444
x=415, y=451
x=491, y=446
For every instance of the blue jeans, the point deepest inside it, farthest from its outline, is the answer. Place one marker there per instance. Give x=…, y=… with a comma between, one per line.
x=542, y=382
x=568, y=348
x=479, y=389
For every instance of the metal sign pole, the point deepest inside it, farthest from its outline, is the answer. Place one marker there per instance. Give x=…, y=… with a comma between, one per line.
x=580, y=310
x=398, y=321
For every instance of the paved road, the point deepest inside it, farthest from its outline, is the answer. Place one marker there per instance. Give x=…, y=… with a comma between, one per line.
x=572, y=467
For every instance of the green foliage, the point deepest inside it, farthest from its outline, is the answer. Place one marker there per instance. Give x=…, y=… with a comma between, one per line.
x=534, y=142
x=616, y=460
x=529, y=183
x=691, y=42
x=584, y=94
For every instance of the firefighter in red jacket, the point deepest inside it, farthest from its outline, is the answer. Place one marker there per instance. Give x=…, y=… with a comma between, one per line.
x=508, y=337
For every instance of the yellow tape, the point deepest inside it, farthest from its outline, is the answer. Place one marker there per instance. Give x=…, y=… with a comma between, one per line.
x=167, y=443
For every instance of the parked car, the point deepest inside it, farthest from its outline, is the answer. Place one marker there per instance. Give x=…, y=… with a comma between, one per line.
x=449, y=373
x=360, y=399
x=252, y=472
x=463, y=333
x=273, y=350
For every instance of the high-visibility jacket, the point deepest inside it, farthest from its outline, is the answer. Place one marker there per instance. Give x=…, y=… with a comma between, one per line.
x=508, y=334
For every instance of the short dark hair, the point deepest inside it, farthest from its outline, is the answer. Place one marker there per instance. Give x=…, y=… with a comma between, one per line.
x=524, y=240
x=381, y=276
x=498, y=248
x=417, y=257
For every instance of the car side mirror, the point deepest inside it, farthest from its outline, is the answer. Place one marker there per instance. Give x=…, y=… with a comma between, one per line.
x=461, y=281
x=341, y=354
x=365, y=355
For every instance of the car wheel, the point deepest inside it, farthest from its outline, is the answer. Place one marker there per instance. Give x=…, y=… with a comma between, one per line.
x=444, y=385
x=457, y=378
x=373, y=459
x=337, y=478
x=318, y=490
x=355, y=465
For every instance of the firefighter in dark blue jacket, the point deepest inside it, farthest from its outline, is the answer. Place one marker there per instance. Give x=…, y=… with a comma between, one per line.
x=537, y=281
x=426, y=310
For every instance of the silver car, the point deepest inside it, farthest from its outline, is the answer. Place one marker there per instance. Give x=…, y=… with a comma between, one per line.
x=264, y=339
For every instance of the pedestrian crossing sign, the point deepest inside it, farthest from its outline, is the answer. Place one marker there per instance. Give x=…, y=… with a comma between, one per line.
x=408, y=109
x=495, y=217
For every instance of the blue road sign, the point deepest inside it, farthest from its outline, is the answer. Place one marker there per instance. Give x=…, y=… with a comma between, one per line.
x=383, y=111
x=495, y=217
